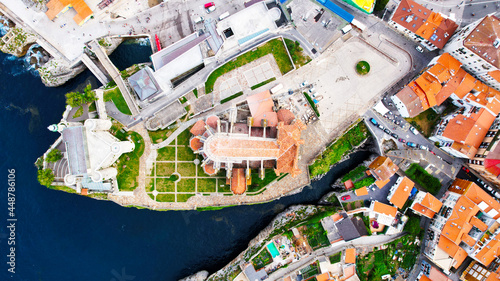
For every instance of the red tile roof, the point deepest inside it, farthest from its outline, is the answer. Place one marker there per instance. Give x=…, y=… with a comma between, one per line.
x=481, y=40
x=402, y=193
x=261, y=107
x=382, y=168
x=238, y=181
x=198, y=128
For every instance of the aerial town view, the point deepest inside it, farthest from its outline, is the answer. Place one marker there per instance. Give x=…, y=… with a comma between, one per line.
x=240, y=140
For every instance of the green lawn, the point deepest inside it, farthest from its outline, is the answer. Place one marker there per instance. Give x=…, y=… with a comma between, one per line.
x=262, y=83
x=165, y=197
x=316, y=236
x=207, y=185
x=357, y=173
x=311, y=103
x=128, y=164
x=160, y=135
x=116, y=96
x=424, y=179
x=183, y=197
x=342, y=146
x=166, y=153
x=92, y=107
x=185, y=154
x=165, y=169
x=257, y=183
x=186, y=169
x=78, y=113
x=222, y=186
x=335, y=258
x=186, y=185
x=165, y=185
x=183, y=138
x=276, y=47
x=296, y=52
x=232, y=97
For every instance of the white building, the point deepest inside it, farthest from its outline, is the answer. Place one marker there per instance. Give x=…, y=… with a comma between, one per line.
x=476, y=46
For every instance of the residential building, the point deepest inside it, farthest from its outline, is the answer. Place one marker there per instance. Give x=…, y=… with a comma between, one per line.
x=486, y=161
x=267, y=140
x=252, y=274
x=427, y=90
x=383, y=213
x=57, y=7
x=468, y=225
x=476, y=46
x=430, y=29
x=350, y=255
x=478, y=272
x=382, y=168
x=89, y=151
x=426, y=205
x=400, y=192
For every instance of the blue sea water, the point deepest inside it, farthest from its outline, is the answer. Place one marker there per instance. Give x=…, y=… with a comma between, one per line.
x=61, y=236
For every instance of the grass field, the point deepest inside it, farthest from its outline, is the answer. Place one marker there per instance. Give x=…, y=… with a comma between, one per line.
x=116, y=96
x=128, y=164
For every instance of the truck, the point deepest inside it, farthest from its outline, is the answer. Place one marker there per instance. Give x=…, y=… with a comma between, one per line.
x=223, y=16
x=346, y=29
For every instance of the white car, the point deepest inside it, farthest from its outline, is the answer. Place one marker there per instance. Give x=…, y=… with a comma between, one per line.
x=413, y=130
x=419, y=49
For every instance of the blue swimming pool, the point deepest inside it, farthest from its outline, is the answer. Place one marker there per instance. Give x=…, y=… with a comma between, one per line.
x=273, y=250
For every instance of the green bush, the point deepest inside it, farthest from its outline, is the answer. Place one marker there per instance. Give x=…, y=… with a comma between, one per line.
x=311, y=103
x=45, y=177
x=54, y=155
x=364, y=182
x=355, y=174
x=362, y=68
x=75, y=99
x=380, y=5
x=231, y=97
x=424, y=179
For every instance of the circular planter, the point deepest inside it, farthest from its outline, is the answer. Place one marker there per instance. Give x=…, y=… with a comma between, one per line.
x=362, y=67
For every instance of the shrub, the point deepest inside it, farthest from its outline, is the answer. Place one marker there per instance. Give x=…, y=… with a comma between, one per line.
x=45, y=177
x=54, y=155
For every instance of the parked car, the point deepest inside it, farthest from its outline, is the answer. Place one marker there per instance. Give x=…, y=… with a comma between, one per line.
x=465, y=169
x=402, y=140
x=387, y=131
x=423, y=147
x=394, y=135
x=380, y=127
x=374, y=122
x=410, y=144
x=209, y=10
x=303, y=84
x=414, y=131
x=345, y=197
x=209, y=4
x=419, y=49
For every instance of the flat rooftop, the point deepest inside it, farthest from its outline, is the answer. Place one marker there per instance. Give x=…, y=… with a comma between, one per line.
x=235, y=148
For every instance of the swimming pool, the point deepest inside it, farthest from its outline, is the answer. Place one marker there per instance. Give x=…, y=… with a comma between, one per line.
x=273, y=250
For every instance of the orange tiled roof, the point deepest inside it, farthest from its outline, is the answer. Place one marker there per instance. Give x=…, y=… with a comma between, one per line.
x=323, y=277
x=423, y=210
x=84, y=191
x=382, y=168
x=209, y=169
x=489, y=251
x=381, y=184
x=468, y=240
x=431, y=87
x=285, y=116
x=289, y=142
x=349, y=271
x=195, y=144
x=83, y=12
x=449, y=62
x=481, y=40
x=495, y=74
x=238, y=181
x=350, y=255
x=424, y=278
x=223, y=146
x=261, y=107
x=476, y=194
x=478, y=224
x=411, y=100
x=361, y=191
x=384, y=209
x=458, y=222
x=402, y=193
x=212, y=121
x=493, y=277
x=466, y=85
x=198, y=128
x=431, y=203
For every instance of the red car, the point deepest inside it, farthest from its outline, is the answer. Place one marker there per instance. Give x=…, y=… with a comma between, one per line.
x=209, y=4
x=346, y=197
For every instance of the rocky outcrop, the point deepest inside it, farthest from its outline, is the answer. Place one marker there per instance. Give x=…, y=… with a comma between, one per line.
x=56, y=72
x=199, y=276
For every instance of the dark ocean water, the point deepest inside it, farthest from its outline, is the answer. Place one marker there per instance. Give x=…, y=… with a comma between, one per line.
x=61, y=236
x=130, y=52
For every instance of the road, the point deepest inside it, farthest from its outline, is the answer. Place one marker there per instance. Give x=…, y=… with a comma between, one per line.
x=374, y=240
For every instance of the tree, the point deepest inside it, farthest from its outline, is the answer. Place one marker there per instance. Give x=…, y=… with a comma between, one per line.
x=380, y=5
x=46, y=177
x=75, y=99
x=54, y=155
x=413, y=226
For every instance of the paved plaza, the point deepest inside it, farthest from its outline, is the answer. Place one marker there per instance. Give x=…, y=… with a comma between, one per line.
x=229, y=87
x=259, y=74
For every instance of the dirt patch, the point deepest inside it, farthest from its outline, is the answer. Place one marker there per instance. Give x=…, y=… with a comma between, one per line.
x=153, y=3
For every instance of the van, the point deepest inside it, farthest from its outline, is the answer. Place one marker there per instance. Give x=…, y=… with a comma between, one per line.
x=198, y=20
x=209, y=10
x=413, y=130
x=276, y=89
x=346, y=29
x=223, y=16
